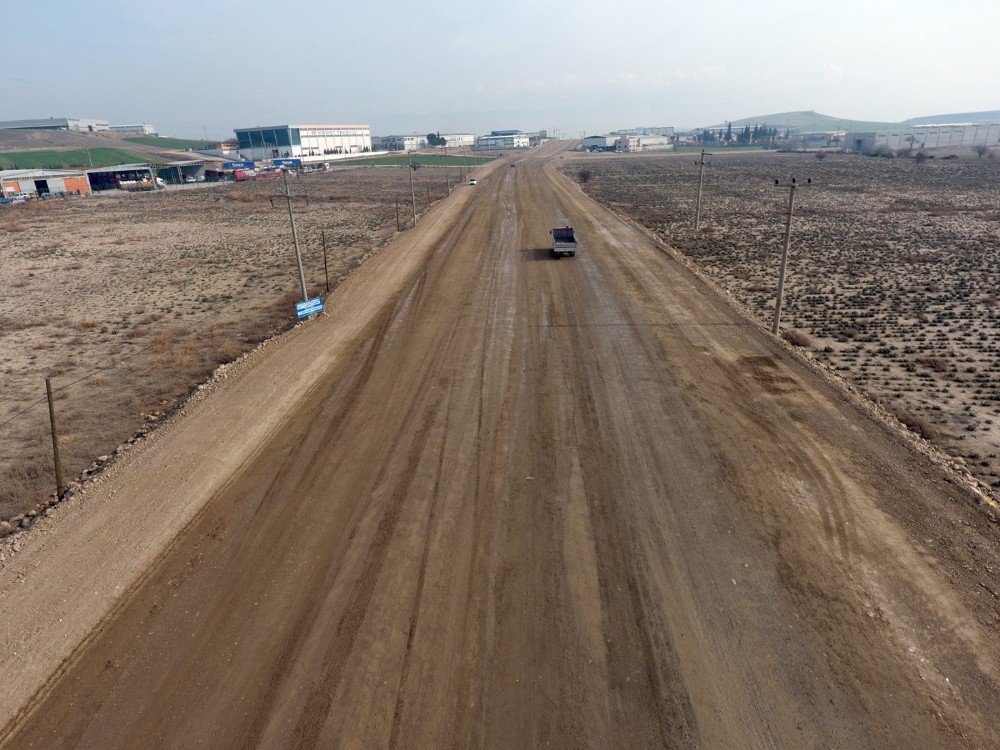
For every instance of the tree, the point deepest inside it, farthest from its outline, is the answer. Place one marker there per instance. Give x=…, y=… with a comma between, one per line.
x=729, y=133
x=981, y=150
x=435, y=139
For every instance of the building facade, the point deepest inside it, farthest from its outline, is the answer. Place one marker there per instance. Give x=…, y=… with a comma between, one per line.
x=411, y=142
x=459, y=140
x=645, y=131
x=44, y=181
x=307, y=142
x=633, y=143
x=937, y=136
x=599, y=143
x=56, y=123
x=141, y=129
x=502, y=142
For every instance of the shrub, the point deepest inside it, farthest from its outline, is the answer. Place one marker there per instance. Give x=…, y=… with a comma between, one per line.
x=584, y=176
x=797, y=338
x=918, y=424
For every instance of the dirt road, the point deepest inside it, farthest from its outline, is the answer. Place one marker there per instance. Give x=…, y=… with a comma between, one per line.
x=506, y=501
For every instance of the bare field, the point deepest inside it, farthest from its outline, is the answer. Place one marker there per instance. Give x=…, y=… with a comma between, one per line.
x=892, y=275
x=130, y=300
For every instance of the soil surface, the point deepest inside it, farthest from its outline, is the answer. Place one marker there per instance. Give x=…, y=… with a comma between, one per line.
x=495, y=499
x=129, y=301
x=892, y=277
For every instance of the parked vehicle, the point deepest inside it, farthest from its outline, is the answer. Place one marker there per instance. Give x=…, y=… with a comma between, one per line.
x=563, y=241
x=473, y=182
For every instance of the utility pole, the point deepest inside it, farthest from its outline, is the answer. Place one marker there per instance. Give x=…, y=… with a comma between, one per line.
x=295, y=236
x=784, y=254
x=55, y=440
x=701, y=181
x=413, y=195
x=326, y=269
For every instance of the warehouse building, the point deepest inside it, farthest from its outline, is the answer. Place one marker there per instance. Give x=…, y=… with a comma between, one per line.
x=56, y=123
x=123, y=177
x=411, y=142
x=502, y=142
x=306, y=142
x=459, y=140
x=44, y=182
x=645, y=131
x=933, y=136
x=599, y=143
x=632, y=143
x=141, y=129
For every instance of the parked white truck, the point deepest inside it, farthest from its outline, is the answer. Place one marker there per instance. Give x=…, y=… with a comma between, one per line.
x=563, y=241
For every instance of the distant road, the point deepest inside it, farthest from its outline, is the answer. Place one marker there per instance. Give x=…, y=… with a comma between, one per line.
x=500, y=500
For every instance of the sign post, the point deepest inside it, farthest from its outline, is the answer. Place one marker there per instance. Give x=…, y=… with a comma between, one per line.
x=309, y=307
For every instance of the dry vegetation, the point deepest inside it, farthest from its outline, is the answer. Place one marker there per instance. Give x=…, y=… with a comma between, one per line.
x=893, y=275
x=155, y=291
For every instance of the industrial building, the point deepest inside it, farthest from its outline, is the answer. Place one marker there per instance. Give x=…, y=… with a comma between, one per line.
x=599, y=143
x=632, y=143
x=307, y=142
x=644, y=131
x=141, y=129
x=44, y=181
x=925, y=137
x=412, y=142
x=459, y=140
x=123, y=177
x=56, y=123
x=502, y=142
x=416, y=141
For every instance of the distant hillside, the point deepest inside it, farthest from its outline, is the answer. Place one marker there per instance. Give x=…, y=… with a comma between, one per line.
x=808, y=122
x=982, y=118
x=58, y=148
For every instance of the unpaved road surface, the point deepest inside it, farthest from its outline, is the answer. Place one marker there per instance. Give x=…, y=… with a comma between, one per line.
x=498, y=500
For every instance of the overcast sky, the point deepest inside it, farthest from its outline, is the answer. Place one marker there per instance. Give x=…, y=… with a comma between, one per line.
x=577, y=66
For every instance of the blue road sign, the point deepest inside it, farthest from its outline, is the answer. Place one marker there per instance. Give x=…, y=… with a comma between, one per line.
x=309, y=307
x=287, y=162
x=237, y=165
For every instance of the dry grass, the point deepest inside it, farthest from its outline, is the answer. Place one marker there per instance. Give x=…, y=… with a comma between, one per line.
x=159, y=290
x=797, y=338
x=892, y=273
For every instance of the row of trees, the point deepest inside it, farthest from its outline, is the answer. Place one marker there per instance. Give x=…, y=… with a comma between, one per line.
x=757, y=135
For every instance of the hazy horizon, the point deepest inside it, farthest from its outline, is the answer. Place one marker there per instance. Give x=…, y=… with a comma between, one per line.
x=193, y=68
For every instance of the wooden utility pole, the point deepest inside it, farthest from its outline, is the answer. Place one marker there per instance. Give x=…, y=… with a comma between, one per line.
x=295, y=237
x=60, y=486
x=701, y=181
x=775, y=327
x=413, y=195
x=326, y=270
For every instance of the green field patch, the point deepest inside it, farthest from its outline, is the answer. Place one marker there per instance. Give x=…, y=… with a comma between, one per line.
x=79, y=158
x=716, y=148
x=424, y=160
x=177, y=144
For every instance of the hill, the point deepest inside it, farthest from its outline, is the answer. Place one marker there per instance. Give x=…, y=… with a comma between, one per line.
x=29, y=149
x=808, y=122
x=77, y=158
x=989, y=117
